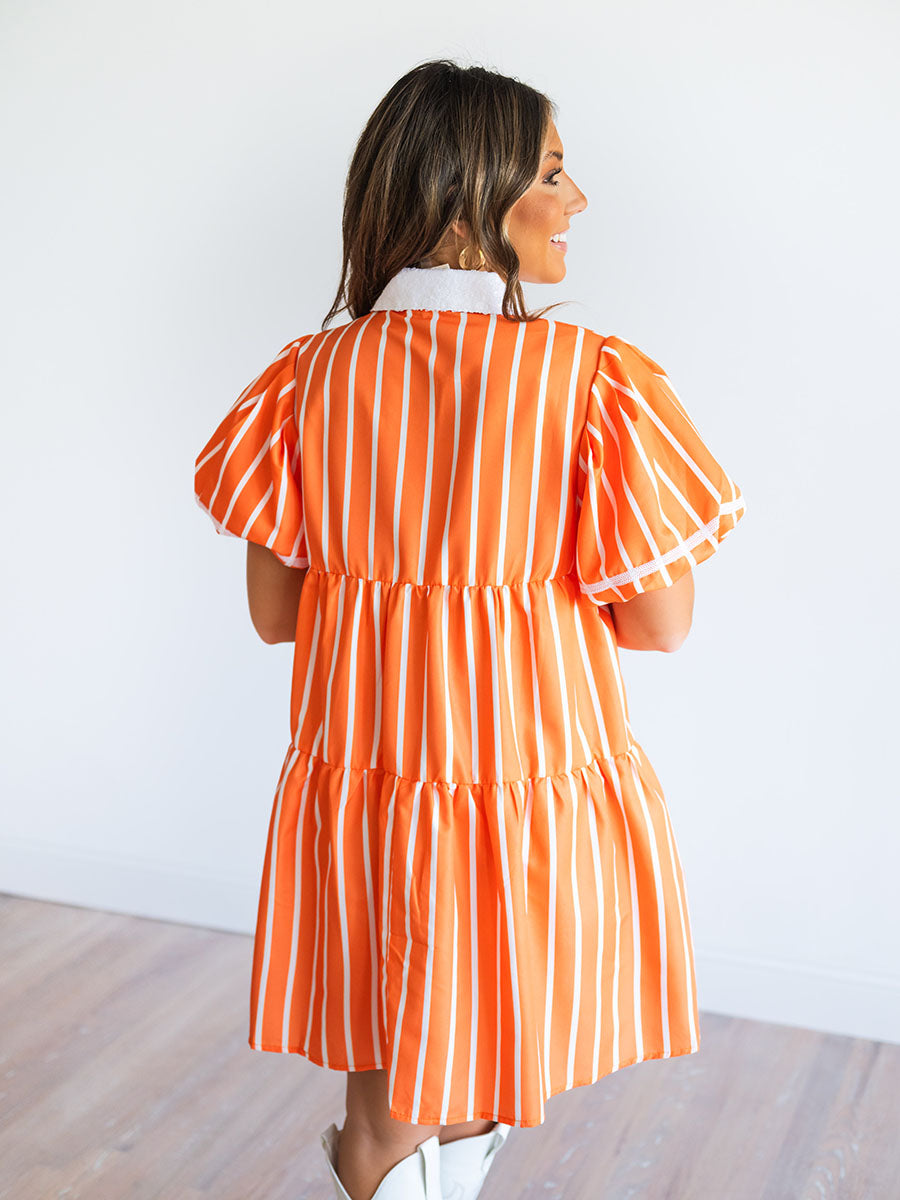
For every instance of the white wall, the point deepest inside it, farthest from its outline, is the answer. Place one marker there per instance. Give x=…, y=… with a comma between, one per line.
x=172, y=218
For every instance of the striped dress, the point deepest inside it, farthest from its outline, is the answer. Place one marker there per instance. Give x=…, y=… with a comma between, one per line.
x=470, y=878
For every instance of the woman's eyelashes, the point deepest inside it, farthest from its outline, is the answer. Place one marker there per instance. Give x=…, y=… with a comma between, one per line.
x=550, y=177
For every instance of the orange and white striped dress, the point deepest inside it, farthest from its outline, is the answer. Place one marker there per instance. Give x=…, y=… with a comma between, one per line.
x=471, y=879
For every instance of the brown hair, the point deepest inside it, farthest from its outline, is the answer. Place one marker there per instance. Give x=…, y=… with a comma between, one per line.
x=445, y=142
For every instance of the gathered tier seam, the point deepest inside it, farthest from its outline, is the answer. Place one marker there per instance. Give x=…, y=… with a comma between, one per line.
x=467, y=587
x=595, y=762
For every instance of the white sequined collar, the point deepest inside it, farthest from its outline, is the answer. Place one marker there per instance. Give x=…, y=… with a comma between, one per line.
x=443, y=288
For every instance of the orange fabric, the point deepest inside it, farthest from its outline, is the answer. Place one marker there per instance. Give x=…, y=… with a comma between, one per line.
x=470, y=878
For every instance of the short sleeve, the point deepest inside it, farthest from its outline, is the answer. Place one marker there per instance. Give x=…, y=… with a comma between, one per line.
x=247, y=476
x=652, y=501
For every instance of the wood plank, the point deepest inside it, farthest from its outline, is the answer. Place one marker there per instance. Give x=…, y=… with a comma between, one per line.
x=125, y=1072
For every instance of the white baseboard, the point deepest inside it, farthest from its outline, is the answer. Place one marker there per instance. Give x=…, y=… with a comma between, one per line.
x=822, y=998
x=129, y=885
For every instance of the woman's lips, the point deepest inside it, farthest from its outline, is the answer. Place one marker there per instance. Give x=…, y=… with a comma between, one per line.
x=559, y=246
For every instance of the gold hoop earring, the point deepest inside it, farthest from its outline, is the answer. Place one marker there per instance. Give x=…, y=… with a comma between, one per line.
x=462, y=259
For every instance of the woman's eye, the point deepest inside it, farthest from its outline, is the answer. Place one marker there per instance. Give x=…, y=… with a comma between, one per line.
x=550, y=178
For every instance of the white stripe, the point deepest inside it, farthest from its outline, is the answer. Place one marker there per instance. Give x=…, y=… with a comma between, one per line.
x=563, y=706
x=565, y=483
x=374, y=965
x=626, y=488
x=349, y=721
x=300, y=540
x=302, y=416
x=473, y=966
x=300, y=855
x=686, y=504
x=404, y=680
x=255, y=514
x=326, y=435
x=601, y=930
x=323, y=733
x=401, y=442
x=457, y=407
x=648, y=568
x=429, y=459
x=376, y=642
x=386, y=885
x=398, y=1024
x=311, y=667
x=348, y=451
x=540, y=749
x=474, y=689
x=511, y=703
x=551, y=929
x=313, y=973
x=503, y=834
x=270, y=903
x=587, y=674
x=495, y=676
x=576, y=967
x=376, y=418
x=242, y=433
x=445, y=676
x=326, y=965
x=505, y=470
x=690, y=998
x=635, y=923
x=451, y=1030
x=473, y=566
x=536, y=459
x=616, y=1051
x=632, y=391
x=429, y=958
x=526, y=787
x=499, y=1037
x=660, y=910
x=299, y=561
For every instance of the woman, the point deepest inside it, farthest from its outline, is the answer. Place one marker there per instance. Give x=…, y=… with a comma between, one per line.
x=457, y=510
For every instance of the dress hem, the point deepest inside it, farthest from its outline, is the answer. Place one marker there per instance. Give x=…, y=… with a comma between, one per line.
x=482, y=1114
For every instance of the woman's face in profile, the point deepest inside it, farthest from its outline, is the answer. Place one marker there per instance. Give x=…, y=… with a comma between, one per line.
x=544, y=210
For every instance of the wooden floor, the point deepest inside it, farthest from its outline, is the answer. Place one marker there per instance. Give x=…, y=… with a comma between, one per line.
x=126, y=1075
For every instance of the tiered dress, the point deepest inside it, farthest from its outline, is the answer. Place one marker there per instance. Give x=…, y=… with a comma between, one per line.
x=471, y=878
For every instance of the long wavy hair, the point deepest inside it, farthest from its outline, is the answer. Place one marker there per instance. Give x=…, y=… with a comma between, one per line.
x=446, y=142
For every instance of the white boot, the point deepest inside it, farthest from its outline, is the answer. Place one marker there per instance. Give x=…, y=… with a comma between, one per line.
x=466, y=1161
x=416, y=1177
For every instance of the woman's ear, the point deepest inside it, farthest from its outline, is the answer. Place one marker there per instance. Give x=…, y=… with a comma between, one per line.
x=461, y=229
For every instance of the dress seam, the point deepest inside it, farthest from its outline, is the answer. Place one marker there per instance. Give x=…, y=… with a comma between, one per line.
x=465, y=587
x=457, y=783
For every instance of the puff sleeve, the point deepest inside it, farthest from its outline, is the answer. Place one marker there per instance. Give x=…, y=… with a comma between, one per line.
x=247, y=476
x=652, y=501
